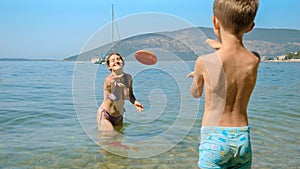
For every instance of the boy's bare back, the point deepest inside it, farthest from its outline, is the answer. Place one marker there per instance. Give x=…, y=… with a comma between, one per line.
x=230, y=76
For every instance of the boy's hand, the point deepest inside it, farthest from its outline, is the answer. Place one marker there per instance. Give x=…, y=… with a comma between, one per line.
x=190, y=75
x=139, y=107
x=214, y=43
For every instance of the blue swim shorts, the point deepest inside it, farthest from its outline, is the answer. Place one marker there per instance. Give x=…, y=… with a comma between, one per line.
x=225, y=147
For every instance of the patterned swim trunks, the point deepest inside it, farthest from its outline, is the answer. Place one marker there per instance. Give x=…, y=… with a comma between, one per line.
x=225, y=147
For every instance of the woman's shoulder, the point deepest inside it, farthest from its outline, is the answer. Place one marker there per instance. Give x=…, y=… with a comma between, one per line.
x=108, y=78
x=128, y=76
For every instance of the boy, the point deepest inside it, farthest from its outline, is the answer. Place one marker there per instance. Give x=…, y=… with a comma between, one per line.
x=229, y=75
x=117, y=89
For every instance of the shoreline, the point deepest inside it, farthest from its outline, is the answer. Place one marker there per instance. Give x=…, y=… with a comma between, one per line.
x=290, y=60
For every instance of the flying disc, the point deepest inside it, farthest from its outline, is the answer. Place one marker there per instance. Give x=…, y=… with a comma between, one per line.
x=145, y=57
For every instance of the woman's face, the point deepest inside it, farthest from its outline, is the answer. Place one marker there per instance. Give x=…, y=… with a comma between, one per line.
x=115, y=63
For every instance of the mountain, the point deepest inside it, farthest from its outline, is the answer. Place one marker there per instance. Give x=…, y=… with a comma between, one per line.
x=273, y=42
x=24, y=59
x=187, y=44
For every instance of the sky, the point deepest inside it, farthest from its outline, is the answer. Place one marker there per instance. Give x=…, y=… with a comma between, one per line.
x=57, y=29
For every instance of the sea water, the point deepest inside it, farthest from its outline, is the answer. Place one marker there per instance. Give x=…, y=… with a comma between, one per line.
x=48, y=111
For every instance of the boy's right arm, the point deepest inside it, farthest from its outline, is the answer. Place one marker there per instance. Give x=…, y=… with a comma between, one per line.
x=214, y=43
x=196, y=88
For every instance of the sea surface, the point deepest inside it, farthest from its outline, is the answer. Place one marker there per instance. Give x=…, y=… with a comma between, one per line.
x=48, y=111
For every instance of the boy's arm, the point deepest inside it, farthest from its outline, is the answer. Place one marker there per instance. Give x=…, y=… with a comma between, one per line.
x=214, y=43
x=196, y=88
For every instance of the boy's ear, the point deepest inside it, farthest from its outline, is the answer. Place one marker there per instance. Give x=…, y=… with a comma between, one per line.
x=217, y=27
x=250, y=28
x=216, y=22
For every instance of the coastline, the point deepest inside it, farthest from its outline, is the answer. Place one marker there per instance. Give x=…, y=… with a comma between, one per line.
x=290, y=60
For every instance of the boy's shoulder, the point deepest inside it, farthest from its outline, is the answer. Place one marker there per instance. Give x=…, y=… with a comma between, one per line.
x=256, y=54
x=209, y=58
x=209, y=55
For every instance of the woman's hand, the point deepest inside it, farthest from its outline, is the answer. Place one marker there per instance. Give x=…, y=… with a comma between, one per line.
x=139, y=107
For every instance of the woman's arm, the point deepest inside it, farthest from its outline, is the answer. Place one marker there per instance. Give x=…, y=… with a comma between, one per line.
x=106, y=87
x=139, y=107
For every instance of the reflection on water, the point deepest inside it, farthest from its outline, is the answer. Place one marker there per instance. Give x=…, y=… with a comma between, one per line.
x=40, y=127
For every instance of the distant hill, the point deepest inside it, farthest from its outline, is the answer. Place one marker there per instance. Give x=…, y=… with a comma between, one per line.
x=274, y=35
x=189, y=43
x=24, y=59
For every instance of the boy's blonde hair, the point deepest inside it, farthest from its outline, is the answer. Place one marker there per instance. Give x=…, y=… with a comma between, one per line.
x=236, y=16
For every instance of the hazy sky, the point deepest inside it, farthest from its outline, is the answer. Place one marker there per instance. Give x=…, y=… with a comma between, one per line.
x=56, y=29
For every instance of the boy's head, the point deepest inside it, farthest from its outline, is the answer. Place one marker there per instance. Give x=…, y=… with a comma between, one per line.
x=236, y=16
x=114, y=61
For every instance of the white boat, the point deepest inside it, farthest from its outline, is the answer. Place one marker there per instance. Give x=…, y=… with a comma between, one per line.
x=79, y=62
x=98, y=60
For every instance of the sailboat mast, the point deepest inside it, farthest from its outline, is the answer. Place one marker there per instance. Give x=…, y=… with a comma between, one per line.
x=112, y=24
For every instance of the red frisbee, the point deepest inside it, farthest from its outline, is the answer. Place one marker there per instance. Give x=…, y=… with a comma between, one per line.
x=145, y=57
